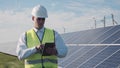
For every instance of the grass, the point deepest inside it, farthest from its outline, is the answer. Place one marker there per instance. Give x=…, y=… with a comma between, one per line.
x=9, y=61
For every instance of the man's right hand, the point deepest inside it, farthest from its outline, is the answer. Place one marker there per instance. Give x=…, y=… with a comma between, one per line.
x=39, y=48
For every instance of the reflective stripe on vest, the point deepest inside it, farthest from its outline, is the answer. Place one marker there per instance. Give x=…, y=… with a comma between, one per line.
x=40, y=61
x=33, y=40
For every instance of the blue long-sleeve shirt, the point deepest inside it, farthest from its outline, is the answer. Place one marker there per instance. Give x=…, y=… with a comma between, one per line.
x=24, y=52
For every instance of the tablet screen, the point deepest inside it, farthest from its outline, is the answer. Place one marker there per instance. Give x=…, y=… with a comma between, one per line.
x=50, y=45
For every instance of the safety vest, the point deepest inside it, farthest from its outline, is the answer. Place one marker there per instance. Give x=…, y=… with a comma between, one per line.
x=35, y=61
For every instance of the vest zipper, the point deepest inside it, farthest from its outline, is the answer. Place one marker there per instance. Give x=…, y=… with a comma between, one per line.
x=43, y=48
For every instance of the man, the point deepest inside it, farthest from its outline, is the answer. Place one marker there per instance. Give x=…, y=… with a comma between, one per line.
x=31, y=43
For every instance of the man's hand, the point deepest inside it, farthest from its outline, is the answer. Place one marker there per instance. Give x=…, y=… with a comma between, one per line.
x=39, y=48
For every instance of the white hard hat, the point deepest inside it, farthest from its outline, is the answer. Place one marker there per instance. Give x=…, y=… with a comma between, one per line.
x=39, y=11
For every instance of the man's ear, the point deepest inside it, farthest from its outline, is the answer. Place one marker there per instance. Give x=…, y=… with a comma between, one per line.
x=33, y=18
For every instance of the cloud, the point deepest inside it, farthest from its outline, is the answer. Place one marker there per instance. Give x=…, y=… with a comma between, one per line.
x=13, y=23
x=118, y=2
x=68, y=20
x=73, y=21
x=53, y=4
x=74, y=5
x=96, y=1
x=13, y=19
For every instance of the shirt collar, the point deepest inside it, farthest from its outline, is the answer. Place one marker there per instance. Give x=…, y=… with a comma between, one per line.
x=40, y=30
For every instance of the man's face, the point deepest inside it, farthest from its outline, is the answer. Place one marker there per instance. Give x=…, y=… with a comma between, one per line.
x=38, y=22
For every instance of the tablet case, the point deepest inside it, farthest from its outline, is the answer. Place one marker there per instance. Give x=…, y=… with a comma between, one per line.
x=51, y=45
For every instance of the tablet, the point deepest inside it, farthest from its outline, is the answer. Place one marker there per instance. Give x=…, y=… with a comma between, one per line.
x=50, y=45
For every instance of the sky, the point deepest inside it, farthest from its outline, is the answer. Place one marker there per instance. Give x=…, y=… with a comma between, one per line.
x=63, y=15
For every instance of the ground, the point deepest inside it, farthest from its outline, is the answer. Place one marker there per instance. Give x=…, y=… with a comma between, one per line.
x=10, y=61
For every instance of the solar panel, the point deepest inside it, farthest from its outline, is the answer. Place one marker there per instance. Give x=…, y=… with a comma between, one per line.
x=117, y=41
x=94, y=56
x=112, y=61
x=94, y=36
x=71, y=49
x=112, y=38
x=86, y=56
x=106, y=52
x=104, y=35
x=75, y=55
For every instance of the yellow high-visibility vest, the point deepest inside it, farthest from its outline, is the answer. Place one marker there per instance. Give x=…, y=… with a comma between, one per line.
x=35, y=61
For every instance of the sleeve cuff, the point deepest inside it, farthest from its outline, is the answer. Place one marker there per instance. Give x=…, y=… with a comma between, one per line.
x=34, y=50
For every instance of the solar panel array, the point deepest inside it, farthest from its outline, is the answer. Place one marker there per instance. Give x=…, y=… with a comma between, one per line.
x=93, y=56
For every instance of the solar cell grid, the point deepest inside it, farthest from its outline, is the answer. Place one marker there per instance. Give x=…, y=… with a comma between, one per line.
x=112, y=61
x=112, y=38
